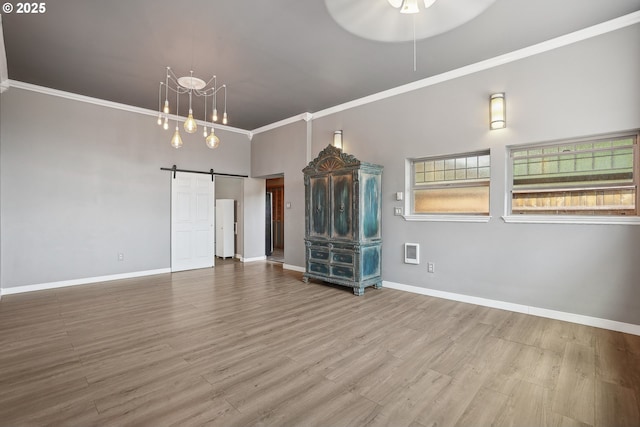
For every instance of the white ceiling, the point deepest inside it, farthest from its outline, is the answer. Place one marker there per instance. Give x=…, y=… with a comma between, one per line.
x=279, y=58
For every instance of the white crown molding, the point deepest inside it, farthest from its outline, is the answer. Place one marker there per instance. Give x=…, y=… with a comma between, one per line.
x=558, y=42
x=83, y=281
x=576, y=36
x=110, y=104
x=580, y=319
x=304, y=116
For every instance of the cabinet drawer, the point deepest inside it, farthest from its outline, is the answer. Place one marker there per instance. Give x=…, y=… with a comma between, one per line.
x=318, y=254
x=342, y=257
x=342, y=272
x=318, y=268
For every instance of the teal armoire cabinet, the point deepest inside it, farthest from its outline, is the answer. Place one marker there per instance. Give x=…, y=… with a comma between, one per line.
x=343, y=240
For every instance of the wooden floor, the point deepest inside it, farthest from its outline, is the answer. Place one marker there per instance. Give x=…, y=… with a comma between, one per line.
x=250, y=344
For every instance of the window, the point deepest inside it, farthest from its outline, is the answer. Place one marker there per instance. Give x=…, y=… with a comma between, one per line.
x=597, y=177
x=456, y=184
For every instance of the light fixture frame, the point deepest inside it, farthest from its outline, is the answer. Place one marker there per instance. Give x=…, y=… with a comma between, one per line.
x=497, y=111
x=337, y=139
x=191, y=86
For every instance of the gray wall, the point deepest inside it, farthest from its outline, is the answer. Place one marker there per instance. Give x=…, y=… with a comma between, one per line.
x=81, y=183
x=583, y=89
x=283, y=151
x=254, y=191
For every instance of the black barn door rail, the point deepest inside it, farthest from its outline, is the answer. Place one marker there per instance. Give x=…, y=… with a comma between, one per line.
x=174, y=169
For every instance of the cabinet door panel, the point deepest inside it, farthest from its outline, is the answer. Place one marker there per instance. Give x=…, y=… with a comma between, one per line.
x=370, y=206
x=319, y=207
x=342, y=186
x=371, y=261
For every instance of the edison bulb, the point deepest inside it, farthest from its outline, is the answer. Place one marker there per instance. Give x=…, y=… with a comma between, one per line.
x=224, y=118
x=159, y=119
x=215, y=115
x=176, y=141
x=165, y=126
x=166, y=106
x=212, y=140
x=190, y=125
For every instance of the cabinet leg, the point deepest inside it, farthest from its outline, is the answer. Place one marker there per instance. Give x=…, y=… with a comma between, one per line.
x=378, y=285
x=358, y=291
x=305, y=279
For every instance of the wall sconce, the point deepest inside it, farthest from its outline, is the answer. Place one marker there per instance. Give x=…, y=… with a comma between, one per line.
x=497, y=111
x=337, y=139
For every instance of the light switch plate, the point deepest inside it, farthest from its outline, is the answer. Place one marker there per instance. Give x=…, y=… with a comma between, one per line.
x=399, y=196
x=397, y=210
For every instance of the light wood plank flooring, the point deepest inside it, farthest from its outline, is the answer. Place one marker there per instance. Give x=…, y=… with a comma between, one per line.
x=250, y=344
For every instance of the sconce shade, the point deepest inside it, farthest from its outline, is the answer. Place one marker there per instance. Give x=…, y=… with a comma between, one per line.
x=497, y=111
x=337, y=139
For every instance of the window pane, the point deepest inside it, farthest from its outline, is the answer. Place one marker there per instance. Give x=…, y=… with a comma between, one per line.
x=457, y=200
x=587, y=177
x=455, y=184
x=428, y=166
x=576, y=202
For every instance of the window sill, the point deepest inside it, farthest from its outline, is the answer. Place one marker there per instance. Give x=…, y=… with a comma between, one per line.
x=447, y=218
x=557, y=219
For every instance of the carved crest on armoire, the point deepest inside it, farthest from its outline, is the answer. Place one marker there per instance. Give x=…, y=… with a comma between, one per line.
x=343, y=240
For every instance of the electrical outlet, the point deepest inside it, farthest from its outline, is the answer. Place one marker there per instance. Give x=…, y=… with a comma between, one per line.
x=431, y=267
x=397, y=210
x=120, y=256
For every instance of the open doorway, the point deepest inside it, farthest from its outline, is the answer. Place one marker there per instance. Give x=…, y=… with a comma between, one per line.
x=274, y=232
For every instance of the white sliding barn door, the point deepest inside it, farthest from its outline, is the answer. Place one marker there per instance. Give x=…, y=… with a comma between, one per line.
x=192, y=219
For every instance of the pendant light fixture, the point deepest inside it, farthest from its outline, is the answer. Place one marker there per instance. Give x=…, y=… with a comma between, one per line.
x=410, y=6
x=176, y=140
x=192, y=86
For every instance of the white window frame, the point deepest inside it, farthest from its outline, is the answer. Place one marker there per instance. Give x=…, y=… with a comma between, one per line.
x=509, y=217
x=437, y=217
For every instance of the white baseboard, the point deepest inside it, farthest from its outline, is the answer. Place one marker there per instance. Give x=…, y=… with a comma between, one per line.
x=258, y=258
x=293, y=267
x=613, y=325
x=84, y=281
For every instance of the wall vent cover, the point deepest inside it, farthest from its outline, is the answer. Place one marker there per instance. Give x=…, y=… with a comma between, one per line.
x=412, y=253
